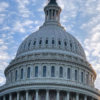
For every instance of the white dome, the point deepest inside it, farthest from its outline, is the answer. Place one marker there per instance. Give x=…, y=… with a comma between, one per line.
x=41, y=41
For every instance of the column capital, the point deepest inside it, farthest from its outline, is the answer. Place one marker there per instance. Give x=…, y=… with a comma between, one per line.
x=36, y=90
x=47, y=90
x=58, y=90
x=27, y=90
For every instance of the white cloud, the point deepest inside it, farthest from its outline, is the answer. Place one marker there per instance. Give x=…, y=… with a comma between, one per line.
x=3, y=6
x=18, y=26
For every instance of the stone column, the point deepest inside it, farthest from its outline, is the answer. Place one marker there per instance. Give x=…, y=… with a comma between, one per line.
x=77, y=96
x=4, y=98
x=57, y=94
x=48, y=14
x=55, y=15
x=85, y=98
x=58, y=16
x=10, y=96
x=37, y=94
x=47, y=94
x=68, y=94
x=17, y=95
x=51, y=14
x=27, y=95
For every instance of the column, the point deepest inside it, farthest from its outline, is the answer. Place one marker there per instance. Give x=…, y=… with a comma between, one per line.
x=51, y=14
x=85, y=98
x=45, y=15
x=57, y=94
x=48, y=14
x=10, y=96
x=77, y=96
x=36, y=94
x=58, y=16
x=47, y=94
x=68, y=95
x=55, y=15
x=27, y=95
x=17, y=95
x=4, y=98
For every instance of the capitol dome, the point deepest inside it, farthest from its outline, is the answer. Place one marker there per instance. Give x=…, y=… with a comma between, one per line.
x=50, y=64
x=51, y=37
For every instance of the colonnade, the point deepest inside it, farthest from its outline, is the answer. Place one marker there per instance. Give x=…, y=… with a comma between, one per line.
x=52, y=14
x=47, y=96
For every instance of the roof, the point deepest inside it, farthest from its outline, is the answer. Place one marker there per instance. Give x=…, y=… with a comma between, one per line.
x=52, y=2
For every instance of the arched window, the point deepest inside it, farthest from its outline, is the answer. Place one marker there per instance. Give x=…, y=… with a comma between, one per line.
x=53, y=42
x=68, y=73
x=71, y=45
x=52, y=71
x=82, y=77
x=22, y=73
x=28, y=72
x=40, y=42
x=43, y=98
x=16, y=73
x=24, y=45
x=75, y=75
x=65, y=43
x=29, y=44
x=34, y=43
x=36, y=71
x=87, y=78
x=61, y=72
x=59, y=42
x=44, y=71
x=11, y=76
x=46, y=42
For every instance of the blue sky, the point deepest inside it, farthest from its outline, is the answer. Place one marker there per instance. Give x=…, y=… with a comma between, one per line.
x=19, y=18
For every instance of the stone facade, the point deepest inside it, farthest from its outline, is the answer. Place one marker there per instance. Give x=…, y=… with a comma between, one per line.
x=50, y=65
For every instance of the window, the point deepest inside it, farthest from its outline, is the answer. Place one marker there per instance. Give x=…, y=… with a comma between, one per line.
x=43, y=98
x=75, y=75
x=34, y=43
x=44, y=71
x=65, y=43
x=61, y=72
x=82, y=77
x=29, y=44
x=71, y=45
x=61, y=98
x=68, y=73
x=59, y=42
x=40, y=42
x=16, y=73
x=52, y=71
x=28, y=72
x=46, y=42
x=33, y=98
x=52, y=98
x=21, y=73
x=53, y=42
x=87, y=78
x=36, y=71
x=24, y=45
x=11, y=76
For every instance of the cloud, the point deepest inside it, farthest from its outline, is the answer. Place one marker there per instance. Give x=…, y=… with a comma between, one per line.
x=19, y=26
x=3, y=6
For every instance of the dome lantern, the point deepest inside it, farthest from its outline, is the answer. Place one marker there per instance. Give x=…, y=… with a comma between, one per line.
x=52, y=12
